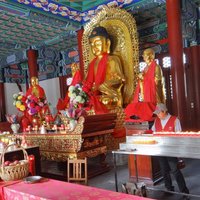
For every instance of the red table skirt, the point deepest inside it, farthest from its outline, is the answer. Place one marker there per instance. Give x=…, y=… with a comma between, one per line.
x=58, y=190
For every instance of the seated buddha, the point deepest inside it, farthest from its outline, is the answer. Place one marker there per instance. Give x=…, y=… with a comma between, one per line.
x=105, y=77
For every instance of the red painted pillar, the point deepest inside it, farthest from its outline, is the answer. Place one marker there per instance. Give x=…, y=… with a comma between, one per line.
x=2, y=100
x=63, y=86
x=195, y=52
x=173, y=10
x=80, y=50
x=32, y=62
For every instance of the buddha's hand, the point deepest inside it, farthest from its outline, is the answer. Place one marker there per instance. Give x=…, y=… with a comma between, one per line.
x=140, y=76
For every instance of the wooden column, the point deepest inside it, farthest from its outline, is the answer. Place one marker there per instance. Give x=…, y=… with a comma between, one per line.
x=193, y=87
x=2, y=103
x=63, y=86
x=32, y=62
x=176, y=53
x=2, y=99
x=80, y=50
x=195, y=52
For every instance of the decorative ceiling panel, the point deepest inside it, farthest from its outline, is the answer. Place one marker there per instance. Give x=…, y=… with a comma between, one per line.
x=81, y=5
x=19, y=33
x=78, y=11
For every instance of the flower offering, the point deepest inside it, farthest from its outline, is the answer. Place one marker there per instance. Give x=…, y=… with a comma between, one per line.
x=77, y=96
x=35, y=104
x=20, y=101
x=78, y=99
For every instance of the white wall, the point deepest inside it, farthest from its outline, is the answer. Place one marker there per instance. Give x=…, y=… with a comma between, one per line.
x=52, y=90
x=10, y=89
x=51, y=87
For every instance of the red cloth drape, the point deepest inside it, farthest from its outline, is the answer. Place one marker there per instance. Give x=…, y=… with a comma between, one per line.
x=96, y=79
x=144, y=110
x=41, y=93
x=100, y=75
x=149, y=85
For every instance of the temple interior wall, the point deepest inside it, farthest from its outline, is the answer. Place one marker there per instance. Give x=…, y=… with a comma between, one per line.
x=51, y=87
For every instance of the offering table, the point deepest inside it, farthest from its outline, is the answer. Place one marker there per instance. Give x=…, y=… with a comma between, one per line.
x=86, y=140
x=148, y=166
x=184, y=145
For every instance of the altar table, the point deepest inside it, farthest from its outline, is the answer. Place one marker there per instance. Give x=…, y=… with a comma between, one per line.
x=181, y=145
x=58, y=190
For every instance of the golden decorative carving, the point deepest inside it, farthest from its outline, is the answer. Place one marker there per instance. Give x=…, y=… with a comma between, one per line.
x=122, y=28
x=113, y=143
x=93, y=152
x=79, y=127
x=57, y=156
x=75, y=67
x=58, y=147
x=120, y=117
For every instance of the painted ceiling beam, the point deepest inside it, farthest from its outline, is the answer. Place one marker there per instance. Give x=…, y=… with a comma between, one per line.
x=14, y=9
x=60, y=10
x=145, y=4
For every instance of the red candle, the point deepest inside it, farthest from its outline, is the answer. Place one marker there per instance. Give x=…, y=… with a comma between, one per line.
x=31, y=159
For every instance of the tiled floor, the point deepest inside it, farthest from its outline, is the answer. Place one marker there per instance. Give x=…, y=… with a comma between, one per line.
x=107, y=180
x=191, y=173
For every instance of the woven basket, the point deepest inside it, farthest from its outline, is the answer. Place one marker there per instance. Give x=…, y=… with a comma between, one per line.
x=14, y=172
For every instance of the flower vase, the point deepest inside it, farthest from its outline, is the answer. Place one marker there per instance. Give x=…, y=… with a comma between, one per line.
x=72, y=124
x=15, y=128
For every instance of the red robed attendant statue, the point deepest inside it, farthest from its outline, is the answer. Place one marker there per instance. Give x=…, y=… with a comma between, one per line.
x=149, y=90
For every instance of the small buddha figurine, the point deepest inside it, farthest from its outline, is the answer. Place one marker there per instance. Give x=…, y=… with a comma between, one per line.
x=36, y=89
x=105, y=77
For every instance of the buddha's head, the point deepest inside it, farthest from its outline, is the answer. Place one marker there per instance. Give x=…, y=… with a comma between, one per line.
x=148, y=55
x=99, y=41
x=34, y=81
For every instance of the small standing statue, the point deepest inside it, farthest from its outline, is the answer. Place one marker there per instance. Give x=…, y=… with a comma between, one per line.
x=150, y=84
x=37, y=106
x=35, y=89
x=149, y=90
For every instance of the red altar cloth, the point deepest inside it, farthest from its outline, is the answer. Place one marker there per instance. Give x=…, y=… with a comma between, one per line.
x=58, y=190
x=4, y=184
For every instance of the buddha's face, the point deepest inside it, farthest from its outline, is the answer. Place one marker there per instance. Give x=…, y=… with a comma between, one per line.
x=34, y=81
x=148, y=56
x=99, y=45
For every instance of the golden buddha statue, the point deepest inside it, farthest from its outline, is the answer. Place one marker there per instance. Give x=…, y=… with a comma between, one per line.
x=149, y=90
x=151, y=83
x=42, y=106
x=118, y=48
x=105, y=76
x=36, y=89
